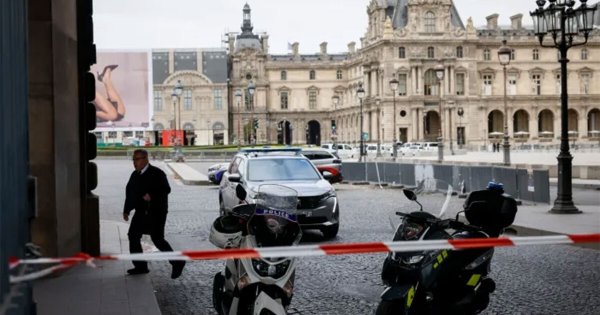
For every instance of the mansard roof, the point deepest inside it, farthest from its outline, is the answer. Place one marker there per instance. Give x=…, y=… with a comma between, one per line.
x=397, y=10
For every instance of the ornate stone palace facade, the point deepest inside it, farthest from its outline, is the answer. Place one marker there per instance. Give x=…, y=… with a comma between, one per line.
x=406, y=40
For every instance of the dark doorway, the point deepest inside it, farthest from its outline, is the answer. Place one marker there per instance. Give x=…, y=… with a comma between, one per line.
x=284, y=132
x=313, y=133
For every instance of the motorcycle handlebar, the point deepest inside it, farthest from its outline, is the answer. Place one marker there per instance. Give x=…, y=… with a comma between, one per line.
x=448, y=223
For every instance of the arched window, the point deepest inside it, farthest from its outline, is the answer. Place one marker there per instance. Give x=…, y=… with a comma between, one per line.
x=429, y=22
x=188, y=126
x=218, y=126
x=159, y=127
x=430, y=52
x=283, y=75
x=459, y=52
x=312, y=75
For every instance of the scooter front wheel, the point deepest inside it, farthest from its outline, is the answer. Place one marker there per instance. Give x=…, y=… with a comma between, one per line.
x=390, y=307
x=218, y=284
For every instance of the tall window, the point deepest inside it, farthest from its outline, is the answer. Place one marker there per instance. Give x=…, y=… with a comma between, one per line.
x=584, y=54
x=430, y=52
x=218, y=98
x=512, y=84
x=430, y=83
x=486, y=54
x=459, y=52
x=283, y=75
x=248, y=100
x=429, y=22
x=402, y=84
x=460, y=84
x=338, y=75
x=558, y=84
x=487, y=84
x=187, y=99
x=537, y=84
x=585, y=83
x=312, y=75
x=158, y=102
x=283, y=97
x=401, y=52
x=312, y=99
x=536, y=54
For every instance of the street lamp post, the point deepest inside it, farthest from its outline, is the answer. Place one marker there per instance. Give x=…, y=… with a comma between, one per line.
x=504, y=57
x=394, y=87
x=336, y=100
x=378, y=103
x=439, y=73
x=563, y=23
x=251, y=89
x=360, y=92
x=238, y=97
x=176, y=96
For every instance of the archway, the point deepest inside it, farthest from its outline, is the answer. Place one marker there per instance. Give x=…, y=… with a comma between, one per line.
x=313, y=133
x=572, y=122
x=284, y=132
x=521, y=125
x=218, y=133
x=432, y=125
x=594, y=123
x=496, y=122
x=546, y=124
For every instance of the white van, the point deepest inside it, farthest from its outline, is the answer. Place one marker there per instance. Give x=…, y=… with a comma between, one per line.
x=343, y=150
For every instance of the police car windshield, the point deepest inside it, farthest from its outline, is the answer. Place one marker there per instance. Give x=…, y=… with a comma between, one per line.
x=281, y=170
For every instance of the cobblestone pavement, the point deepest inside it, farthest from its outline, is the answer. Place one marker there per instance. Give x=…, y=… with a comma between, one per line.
x=530, y=280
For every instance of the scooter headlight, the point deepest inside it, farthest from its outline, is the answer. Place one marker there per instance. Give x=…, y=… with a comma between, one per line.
x=273, y=270
x=411, y=260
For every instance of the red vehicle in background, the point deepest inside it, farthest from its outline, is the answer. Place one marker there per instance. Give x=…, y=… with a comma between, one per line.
x=325, y=161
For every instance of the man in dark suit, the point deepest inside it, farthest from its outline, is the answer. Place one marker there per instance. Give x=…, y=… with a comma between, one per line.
x=147, y=193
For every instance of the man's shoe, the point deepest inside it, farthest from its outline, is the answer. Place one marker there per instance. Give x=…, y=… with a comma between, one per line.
x=177, y=269
x=137, y=271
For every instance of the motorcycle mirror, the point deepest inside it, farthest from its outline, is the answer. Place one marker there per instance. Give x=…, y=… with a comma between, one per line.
x=410, y=194
x=240, y=192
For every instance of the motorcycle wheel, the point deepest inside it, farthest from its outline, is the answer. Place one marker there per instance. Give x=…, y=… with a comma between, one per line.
x=218, y=283
x=390, y=307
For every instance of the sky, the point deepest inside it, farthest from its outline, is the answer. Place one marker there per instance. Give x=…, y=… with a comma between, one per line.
x=146, y=24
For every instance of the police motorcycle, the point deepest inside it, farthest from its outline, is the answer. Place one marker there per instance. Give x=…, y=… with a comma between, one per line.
x=260, y=286
x=444, y=281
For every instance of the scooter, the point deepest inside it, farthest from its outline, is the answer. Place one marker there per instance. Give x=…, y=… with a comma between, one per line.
x=257, y=286
x=445, y=281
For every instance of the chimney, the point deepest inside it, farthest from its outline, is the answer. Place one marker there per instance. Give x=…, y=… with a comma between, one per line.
x=351, y=47
x=492, y=21
x=516, y=21
x=265, y=43
x=295, y=47
x=323, y=48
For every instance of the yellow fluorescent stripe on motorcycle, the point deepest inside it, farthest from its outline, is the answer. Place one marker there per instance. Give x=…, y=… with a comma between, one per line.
x=410, y=296
x=474, y=280
x=445, y=254
x=435, y=265
x=440, y=259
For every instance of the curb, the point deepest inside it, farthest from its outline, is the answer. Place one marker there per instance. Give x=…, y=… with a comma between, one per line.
x=527, y=231
x=189, y=182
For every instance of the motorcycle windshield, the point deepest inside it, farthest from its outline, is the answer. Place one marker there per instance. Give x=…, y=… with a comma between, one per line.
x=275, y=221
x=436, y=196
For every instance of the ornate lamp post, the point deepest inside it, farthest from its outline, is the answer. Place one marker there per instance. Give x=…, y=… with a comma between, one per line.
x=439, y=73
x=251, y=89
x=238, y=98
x=336, y=100
x=394, y=87
x=504, y=57
x=176, y=96
x=360, y=92
x=563, y=23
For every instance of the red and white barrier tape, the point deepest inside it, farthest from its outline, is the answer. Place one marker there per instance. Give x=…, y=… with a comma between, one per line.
x=311, y=250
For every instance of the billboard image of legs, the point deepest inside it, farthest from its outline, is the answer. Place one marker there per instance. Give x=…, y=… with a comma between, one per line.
x=122, y=89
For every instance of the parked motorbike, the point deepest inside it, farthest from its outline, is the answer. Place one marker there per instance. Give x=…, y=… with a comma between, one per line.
x=260, y=286
x=445, y=281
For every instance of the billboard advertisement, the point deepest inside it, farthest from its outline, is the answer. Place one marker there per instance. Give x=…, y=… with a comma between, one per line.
x=122, y=89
